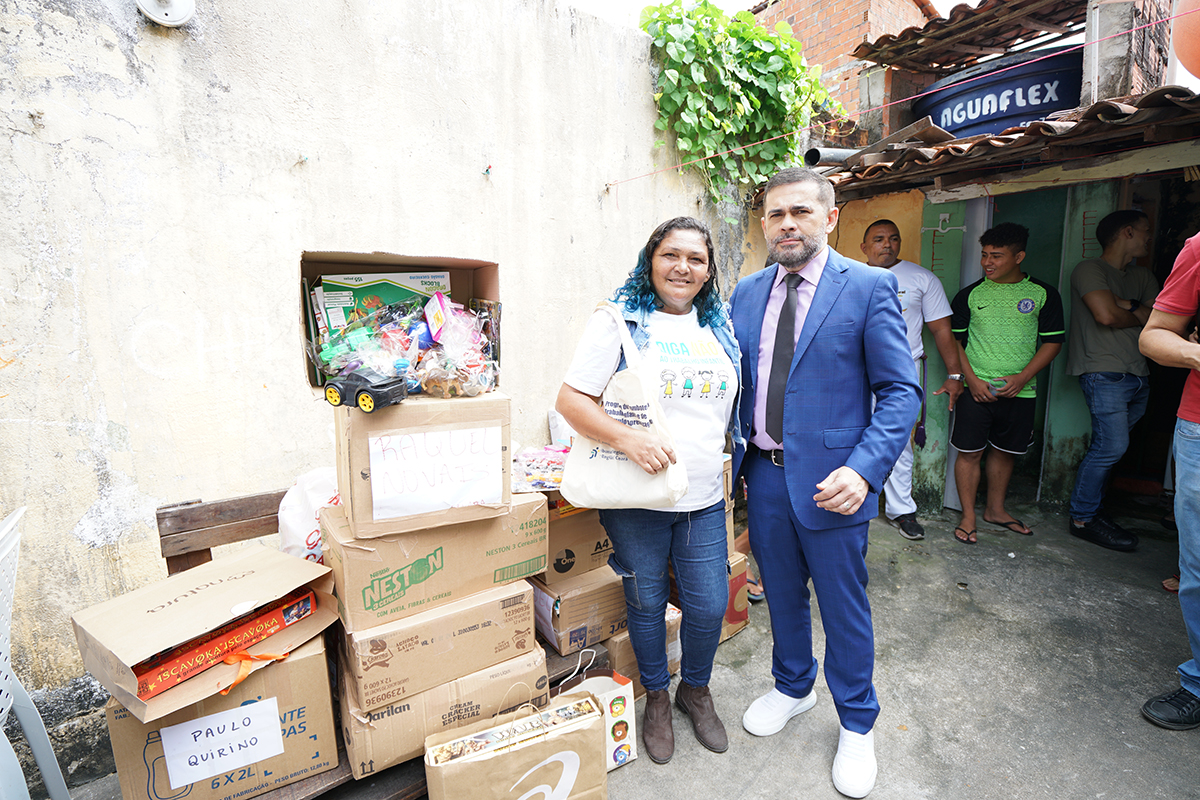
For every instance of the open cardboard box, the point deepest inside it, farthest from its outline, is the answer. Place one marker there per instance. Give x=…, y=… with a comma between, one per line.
x=117, y=634
x=468, y=278
x=300, y=686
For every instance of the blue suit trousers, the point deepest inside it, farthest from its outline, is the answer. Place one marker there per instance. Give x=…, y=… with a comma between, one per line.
x=789, y=555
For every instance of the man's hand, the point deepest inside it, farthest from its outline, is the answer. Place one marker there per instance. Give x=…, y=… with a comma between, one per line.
x=952, y=389
x=1013, y=384
x=980, y=390
x=842, y=492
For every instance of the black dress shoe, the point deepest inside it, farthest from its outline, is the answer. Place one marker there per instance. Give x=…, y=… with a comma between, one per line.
x=1178, y=710
x=1105, y=533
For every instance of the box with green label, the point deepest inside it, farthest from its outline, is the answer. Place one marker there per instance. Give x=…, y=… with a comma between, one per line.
x=341, y=299
x=391, y=577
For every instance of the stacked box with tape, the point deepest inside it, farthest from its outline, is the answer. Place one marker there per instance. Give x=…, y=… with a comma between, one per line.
x=579, y=599
x=428, y=555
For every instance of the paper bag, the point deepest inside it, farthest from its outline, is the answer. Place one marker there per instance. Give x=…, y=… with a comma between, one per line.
x=616, y=695
x=551, y=754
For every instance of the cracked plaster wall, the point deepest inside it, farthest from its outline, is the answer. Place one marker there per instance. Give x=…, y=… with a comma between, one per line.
x=159, y=185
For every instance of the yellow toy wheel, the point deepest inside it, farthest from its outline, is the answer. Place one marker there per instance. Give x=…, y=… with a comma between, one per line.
x=366, y=402
x=333, y=396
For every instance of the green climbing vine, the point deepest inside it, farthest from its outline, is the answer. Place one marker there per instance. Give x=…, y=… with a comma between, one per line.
x=727, y=83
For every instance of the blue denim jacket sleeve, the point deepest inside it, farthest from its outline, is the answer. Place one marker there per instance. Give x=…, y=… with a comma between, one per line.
x=638, y=331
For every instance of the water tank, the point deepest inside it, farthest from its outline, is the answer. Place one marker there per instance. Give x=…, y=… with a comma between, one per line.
x=989, y=104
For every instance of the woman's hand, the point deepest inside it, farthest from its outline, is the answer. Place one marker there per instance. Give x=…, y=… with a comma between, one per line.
x=584, y=413
x=649, y=451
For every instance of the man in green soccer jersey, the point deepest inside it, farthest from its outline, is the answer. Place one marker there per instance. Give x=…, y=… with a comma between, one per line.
x=999, y=321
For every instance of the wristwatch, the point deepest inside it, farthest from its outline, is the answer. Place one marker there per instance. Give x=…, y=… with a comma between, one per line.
x=1134, y=305
x=956, y=376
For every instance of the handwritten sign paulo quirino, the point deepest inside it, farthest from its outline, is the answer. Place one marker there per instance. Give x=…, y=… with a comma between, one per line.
x=217, y=743
x=423, y=471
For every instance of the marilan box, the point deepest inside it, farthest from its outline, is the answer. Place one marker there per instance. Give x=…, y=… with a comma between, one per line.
x=300, y=687
x=375, y=740
x=389, y=662
x=115, y=635
x=425, y=462
x=391, y=577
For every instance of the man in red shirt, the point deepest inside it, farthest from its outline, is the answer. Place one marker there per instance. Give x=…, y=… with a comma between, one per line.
x=1165, y=339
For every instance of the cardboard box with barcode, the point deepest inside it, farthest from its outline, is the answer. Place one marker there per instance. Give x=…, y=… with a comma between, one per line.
x=728, y=482
x=622, y=659
x=118, y=634
x=375, y=740
x=426, y=462
x=579, y=611
x=392, y=577
x=578, y=544
x=399, y=659
x=469, y=278
x=297, y=701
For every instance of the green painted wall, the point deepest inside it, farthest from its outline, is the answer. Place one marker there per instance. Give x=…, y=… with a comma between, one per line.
x=1069, y=427
x=941, y=253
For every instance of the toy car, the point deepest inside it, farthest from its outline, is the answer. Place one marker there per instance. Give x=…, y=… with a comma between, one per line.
x=367, y=389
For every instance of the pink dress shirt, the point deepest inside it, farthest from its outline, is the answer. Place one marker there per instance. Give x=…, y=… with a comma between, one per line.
x=810, y=275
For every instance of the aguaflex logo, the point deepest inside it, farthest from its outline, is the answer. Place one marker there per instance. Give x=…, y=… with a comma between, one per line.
x=387, y=589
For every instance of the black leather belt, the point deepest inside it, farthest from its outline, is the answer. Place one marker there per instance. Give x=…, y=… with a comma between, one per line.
x=774, y=456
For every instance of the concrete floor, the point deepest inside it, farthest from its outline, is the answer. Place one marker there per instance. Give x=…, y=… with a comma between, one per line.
x=1012, y=669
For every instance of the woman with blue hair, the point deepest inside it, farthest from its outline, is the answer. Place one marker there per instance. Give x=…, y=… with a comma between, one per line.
x=672, y=305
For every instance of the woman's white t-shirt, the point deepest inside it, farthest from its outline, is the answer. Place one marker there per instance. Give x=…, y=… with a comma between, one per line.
x=696, y=388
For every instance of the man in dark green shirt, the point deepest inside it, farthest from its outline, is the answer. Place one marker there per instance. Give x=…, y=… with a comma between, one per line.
x=1009, y=327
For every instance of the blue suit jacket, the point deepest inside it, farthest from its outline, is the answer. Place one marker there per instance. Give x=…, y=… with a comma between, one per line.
x=853, y=345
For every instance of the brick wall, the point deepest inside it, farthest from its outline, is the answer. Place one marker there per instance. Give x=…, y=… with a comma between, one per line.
x=831, y=29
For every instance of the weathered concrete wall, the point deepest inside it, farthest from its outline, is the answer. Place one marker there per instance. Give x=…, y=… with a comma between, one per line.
x=160, y=184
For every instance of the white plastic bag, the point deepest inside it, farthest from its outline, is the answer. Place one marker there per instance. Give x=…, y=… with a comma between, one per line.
x=299, y=531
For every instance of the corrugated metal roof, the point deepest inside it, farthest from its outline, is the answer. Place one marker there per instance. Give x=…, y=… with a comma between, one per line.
x=1169, y=114
x=994, y=27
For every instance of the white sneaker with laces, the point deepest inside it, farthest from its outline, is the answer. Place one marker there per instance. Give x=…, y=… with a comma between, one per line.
x=768, y=714
x=854, y=766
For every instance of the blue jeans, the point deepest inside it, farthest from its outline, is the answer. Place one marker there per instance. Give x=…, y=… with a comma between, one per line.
x=1187, y=517
x=1117, y=400
x=643, y=542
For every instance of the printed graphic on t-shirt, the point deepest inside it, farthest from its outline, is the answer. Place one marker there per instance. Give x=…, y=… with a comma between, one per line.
x=694, y=365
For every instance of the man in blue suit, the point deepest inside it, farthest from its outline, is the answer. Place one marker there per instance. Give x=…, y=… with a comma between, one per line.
x=821, y=336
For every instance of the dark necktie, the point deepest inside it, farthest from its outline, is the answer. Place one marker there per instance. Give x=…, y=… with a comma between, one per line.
x=781, y=359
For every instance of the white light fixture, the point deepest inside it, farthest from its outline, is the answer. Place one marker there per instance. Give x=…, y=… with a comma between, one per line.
x=171, y=13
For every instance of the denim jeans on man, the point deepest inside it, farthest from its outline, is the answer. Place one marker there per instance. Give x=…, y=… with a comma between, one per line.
x=643, y=542
x=1187, y=517
x=1116, y=400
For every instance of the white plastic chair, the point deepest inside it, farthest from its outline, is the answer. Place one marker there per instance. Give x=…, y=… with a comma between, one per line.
x=13, y=694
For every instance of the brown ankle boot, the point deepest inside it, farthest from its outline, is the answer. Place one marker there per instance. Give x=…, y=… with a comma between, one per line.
x=697, y=703
x=657, y=735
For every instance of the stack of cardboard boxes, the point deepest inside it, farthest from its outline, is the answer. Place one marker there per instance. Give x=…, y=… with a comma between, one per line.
x=428, y=552
x=215, y=733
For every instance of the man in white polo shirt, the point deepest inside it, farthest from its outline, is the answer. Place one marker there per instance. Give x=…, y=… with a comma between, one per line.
x=922, y=302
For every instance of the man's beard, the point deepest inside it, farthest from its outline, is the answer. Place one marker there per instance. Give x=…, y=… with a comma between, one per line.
x=797, y=257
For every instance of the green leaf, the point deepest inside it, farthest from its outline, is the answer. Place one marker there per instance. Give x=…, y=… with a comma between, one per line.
x=684, y=143
x=675, y=50
x=732, y=221
x=697, y=73
x=671, y=75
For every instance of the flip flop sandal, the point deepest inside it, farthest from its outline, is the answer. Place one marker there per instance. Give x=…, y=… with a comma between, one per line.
x=969, y=534
x=754, y=597
x=1013, y=526
x=1167, y=581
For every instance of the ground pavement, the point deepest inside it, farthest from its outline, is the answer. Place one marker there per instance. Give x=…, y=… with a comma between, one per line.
x=1015, y=668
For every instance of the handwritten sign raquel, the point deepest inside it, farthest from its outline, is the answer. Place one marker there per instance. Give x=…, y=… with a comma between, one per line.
x=217, y=743
x=423, y=471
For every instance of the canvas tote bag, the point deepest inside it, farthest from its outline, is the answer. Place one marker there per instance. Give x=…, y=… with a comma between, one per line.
x=597, y=476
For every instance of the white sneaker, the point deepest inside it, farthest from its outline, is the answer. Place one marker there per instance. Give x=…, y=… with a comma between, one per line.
x=854, y=766
x=769, y=713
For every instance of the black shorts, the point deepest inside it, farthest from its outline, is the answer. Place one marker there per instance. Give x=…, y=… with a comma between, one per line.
x=1006, y=424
